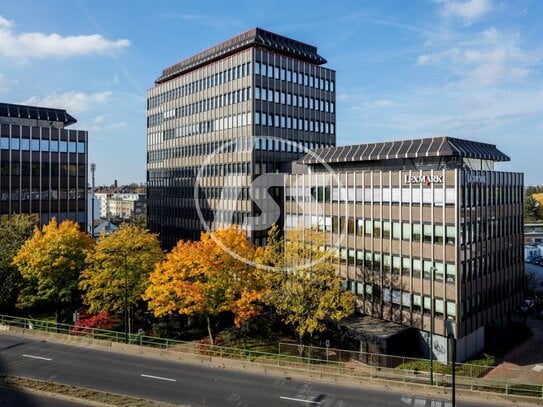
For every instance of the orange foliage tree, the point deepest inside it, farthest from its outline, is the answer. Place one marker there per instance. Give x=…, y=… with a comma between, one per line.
x=208, y=277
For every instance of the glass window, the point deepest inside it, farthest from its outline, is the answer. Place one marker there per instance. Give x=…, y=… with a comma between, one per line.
x=360, y=258
x=25, y=144
x=438, y=234
x=44, y=145
x=427, y=233
x=451, y=232
x=369, y=227
x=451, y=310
x=396, y=298
x=359, y=227
x=386, y=229
x=377, y=228
x=368, y=260
x=438, y=308
x=63, y=146
x=439, y=272
x=80, y=147
x=54, y=146
x=427, y=269
x=396, y=264
x=427, y=305
x=406, y=300
x=386, y=262
x=377, y=262
x=416, y=268
x=406, y=231
x=451, y=273
x=417, y=302
x=416, y=235
x=386, y=294
x=396, y=230
x=4, y=143
x=406, y=266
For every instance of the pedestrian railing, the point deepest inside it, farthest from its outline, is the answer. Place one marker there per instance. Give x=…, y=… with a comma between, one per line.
x=318, y=361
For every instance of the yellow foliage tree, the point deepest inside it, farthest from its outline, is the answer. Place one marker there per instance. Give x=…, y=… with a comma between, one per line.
x=208, y=277
x=302, y=284
x=50, y=263
x=118, y=269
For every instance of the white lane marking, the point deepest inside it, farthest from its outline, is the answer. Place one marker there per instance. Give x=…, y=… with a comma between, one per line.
x=158, y=377
x=37, y=357
x=301, y=400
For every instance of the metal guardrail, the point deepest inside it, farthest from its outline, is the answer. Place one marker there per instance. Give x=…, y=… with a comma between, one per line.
x=347, y=364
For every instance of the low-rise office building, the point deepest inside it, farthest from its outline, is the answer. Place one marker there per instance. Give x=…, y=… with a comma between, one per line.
x=426, y=231
x=43, y=164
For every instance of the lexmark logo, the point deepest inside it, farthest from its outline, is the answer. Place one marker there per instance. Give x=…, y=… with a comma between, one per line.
x=423, y=179
x=473, y=179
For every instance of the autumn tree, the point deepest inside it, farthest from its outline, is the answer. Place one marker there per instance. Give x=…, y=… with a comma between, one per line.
x=533, y=210
x=303, y=286
x=14, y=231
x=118, y=269
x=208, y=277
x=50, y=263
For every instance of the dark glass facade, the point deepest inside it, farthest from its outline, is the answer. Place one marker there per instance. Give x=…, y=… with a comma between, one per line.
x=43, y=165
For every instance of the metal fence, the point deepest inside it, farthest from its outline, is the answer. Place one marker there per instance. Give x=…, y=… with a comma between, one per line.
x=322, y=361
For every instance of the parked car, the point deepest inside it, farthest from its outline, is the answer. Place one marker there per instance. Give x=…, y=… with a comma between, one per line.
x=535, y=259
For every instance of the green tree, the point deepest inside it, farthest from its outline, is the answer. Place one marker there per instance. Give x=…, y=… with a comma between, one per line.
x=204, y=278
x=119, y=266
x=50, y=263
x=532, y=209
x=303, y=286
x=14, y=231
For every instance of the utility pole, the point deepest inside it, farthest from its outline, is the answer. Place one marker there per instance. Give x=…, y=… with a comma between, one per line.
x=432, y=274
x=93, y=169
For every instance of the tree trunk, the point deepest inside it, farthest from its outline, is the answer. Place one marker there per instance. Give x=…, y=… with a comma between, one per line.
x=209, y=331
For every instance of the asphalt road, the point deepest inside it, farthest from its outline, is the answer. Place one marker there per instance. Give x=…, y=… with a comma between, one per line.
x=181, y=383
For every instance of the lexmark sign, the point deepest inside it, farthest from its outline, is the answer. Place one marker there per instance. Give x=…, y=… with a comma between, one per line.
x=473, y=179
x=423, y=179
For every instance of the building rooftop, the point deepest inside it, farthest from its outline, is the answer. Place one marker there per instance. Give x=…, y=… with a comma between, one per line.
x=256, y=37
x=417, y=148
x=36, y=113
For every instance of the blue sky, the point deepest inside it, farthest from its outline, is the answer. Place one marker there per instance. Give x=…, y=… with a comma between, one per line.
x=405, y=69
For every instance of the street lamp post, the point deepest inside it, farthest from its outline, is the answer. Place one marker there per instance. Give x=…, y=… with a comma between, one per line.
x=125, y=300
x=431, y=341
x=451, y=338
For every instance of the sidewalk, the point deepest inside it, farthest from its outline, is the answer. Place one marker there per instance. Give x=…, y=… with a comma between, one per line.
x=525, y=362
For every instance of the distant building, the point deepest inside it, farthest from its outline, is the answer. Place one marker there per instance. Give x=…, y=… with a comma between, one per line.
x=43, y=164
x=533, y=233
x=115, y=204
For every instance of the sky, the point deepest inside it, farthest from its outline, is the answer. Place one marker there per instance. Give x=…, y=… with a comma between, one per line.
x=405, y=69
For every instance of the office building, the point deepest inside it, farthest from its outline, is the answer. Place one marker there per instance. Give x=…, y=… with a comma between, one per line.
x=425, y=230
x=43, y=164
x=247, y=106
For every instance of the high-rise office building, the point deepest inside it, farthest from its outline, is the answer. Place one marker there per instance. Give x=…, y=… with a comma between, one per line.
x=426, y=231
x=219, y=119
x=43, y=164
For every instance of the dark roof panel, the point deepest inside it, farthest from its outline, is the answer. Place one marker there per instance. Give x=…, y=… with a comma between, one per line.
x=36, y=113
x=429, y=147
x=252, y=38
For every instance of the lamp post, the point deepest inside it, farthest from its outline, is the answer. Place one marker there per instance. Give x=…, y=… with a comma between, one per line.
x=431, y=341
x=125, y=306
x=451, y=339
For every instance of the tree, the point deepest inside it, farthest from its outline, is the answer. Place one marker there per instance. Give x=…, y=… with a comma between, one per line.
x=304, y=288
x=14, y=231
x=50, y=263
x=208, y=277
x=532, y=209
x=118, y=270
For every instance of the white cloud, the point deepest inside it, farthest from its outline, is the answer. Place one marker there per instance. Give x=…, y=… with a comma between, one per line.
x=73, y=102
x=468, y=11
x=36, y=45
x=487, y=59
